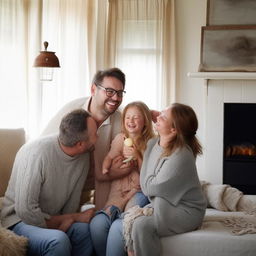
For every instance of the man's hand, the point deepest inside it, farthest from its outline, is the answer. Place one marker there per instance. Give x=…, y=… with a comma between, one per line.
x=65, y=225
x=119, y=169
x=63, y=222
x=85, y=216
x=60, y=222
x=117, y=164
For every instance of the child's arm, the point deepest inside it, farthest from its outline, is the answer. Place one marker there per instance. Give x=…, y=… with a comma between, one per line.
x=115, y=172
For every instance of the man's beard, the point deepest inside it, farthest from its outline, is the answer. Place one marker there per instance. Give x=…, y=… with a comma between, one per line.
x=109, y=111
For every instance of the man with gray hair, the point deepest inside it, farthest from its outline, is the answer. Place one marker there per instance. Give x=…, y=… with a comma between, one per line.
x=44, y=190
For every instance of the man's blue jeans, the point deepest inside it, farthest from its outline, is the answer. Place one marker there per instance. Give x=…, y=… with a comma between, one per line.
x=49, y=242
x=107, y=237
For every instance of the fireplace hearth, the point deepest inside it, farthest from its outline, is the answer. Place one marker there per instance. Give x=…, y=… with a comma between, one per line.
x=239, y=151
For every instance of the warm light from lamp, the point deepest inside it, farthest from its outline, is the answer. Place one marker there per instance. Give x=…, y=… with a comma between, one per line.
x=46, y=61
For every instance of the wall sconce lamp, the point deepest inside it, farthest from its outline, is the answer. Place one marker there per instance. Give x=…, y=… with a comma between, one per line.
x=46, y=61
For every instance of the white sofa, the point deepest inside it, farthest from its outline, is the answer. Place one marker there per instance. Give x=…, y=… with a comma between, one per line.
x=228, y=229
x=212, y=239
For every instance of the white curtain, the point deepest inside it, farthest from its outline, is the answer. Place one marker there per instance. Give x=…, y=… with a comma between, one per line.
x=72, y=29
x=14, y=64
x=141, y=41
x=87, y=35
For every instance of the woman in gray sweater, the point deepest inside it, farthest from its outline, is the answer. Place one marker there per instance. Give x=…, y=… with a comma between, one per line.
x=169, y=178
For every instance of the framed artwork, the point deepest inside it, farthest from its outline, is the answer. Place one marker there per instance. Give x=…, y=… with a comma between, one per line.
x=228, y=48
x=231, y=12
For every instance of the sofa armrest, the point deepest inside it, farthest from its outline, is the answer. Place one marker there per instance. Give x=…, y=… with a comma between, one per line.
x=10, y=142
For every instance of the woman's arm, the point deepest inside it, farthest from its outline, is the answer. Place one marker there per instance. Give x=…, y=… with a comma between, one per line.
x=174, y=176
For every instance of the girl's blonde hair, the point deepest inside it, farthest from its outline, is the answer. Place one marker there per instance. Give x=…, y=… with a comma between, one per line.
x=186, y=124
x=147, y=131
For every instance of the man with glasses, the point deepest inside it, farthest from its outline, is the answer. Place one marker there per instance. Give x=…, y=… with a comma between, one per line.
x=107, y=93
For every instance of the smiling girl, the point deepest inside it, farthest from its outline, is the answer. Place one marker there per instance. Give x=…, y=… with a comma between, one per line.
x=124, y=192
x=137, y=128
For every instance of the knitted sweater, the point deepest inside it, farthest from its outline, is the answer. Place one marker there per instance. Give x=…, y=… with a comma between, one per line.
x=173, y=187
x=44, y=182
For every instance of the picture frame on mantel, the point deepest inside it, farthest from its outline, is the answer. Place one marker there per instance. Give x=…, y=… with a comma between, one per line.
x=231, y=12
x=228, y=49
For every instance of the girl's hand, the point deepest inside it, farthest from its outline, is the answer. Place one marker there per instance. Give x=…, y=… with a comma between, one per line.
x=133, y=164
x=130, y=151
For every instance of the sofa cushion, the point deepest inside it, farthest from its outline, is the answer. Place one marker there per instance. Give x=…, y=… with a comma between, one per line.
x=10, y=142
x=212, y=239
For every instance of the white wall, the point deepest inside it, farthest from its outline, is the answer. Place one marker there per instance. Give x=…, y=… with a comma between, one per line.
x=190, y=16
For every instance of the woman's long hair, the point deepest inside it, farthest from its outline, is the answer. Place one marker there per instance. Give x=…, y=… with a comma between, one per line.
x=147, y=131
x=186, y=124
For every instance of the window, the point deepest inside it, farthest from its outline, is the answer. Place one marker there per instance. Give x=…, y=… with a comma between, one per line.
x=140, y=58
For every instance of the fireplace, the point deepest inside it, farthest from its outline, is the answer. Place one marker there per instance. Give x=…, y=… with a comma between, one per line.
x=222, y=88
x=239, y=146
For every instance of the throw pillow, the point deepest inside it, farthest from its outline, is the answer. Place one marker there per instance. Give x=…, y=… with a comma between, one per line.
x=214, y=194
x=12, y=244
x=231, y=198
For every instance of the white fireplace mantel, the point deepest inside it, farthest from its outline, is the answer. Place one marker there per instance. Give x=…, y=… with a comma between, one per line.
x=221, y=87
x=223, y=75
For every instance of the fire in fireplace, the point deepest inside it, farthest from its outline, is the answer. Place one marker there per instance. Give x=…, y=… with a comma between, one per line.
x=245, y=149
x=239, y=156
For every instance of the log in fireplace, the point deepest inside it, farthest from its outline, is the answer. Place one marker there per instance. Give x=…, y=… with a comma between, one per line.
x=239, y=154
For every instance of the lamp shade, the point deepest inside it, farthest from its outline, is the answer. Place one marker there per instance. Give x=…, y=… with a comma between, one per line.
x=46, y=59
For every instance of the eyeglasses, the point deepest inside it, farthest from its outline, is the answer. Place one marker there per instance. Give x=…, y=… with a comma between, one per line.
x=111, y=92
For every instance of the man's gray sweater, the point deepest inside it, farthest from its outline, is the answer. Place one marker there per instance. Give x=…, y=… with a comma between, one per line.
x=44, y=182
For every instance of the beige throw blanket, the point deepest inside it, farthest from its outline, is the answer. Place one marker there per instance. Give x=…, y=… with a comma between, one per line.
x=129, y=218
x=227, y=198
x=241, y=225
